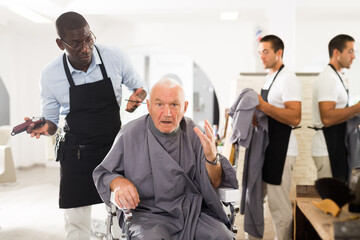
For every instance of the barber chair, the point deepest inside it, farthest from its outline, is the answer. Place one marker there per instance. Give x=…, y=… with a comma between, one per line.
x=229, y=197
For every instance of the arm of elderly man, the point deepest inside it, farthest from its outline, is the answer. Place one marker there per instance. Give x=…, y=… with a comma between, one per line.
x=127, y=192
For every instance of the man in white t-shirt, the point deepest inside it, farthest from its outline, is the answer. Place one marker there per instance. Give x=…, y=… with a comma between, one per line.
x=330, y=111
x=280, y=99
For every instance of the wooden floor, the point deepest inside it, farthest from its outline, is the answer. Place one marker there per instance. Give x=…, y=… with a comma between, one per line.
x=29, y=208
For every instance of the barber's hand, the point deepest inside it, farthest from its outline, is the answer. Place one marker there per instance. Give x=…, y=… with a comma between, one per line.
x=44, y=130
x=207, y=141
x=261, y=103
x=138, y=95
x=255, y=122
x=126, y=195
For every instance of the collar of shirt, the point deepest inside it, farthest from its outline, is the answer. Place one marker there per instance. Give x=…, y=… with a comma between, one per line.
x=160, y=134
x=269, y=79
x=94, y=62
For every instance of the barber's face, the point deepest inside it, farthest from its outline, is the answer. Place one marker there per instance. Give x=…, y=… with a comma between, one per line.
x=346, y=57
x=268, y=56
x=79, y=44
x=166, y=108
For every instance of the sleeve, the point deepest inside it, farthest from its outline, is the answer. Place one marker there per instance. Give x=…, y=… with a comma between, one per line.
x=130, y=78
x=50, y=107
x=229, y=179
x=292, y=89
x=111, y=167
x=326, y=88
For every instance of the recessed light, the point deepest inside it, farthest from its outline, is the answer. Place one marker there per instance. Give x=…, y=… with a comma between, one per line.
x=29, y=14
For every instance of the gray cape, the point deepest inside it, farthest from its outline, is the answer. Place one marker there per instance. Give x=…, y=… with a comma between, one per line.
x=255, y=140
x=352, y=142
x=170, y=192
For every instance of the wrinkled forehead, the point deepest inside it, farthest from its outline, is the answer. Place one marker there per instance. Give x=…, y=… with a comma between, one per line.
x=167, y=94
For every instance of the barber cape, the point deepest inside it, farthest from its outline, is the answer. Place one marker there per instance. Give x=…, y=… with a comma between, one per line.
x=255, y=140
x=173, y=192
x=352, y=142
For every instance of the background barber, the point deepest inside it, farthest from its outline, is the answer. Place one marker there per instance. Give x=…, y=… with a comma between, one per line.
x=331, y=111
x=281, y=100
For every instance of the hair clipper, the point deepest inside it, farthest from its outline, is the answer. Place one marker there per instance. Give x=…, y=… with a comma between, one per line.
x=38, y=122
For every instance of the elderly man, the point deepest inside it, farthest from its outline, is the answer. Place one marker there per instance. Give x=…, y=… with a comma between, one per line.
x=165, y=169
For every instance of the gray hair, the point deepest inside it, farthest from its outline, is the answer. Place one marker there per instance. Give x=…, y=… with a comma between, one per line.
x=169, y=83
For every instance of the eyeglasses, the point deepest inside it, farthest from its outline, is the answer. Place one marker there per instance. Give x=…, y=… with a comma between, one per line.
x=77, y=46
x=352, y=51
x=263, y=52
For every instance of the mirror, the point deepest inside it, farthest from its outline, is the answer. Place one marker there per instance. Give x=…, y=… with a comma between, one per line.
x=154, y=63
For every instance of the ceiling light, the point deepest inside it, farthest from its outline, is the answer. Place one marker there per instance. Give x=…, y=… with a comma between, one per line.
x=29, y=14
x=228, y=16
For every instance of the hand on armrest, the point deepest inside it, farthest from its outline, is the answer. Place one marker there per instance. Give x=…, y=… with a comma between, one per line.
x=125, y=193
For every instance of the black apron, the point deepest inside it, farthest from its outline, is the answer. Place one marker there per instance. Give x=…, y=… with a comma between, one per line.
x=91, y=127
x=335, y=142
x=275, y=153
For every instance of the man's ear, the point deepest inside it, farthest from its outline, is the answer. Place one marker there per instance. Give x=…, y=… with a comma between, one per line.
x=279, y=53
x=60, y=44
x=185, y=106
x=148, y=104
x=336, y=52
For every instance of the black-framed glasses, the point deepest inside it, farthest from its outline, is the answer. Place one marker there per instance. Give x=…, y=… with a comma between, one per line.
x=77, y=46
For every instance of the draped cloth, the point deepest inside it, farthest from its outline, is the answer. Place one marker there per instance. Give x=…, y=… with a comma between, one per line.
x=255, y=139
x=352, y=142
x=175, y=190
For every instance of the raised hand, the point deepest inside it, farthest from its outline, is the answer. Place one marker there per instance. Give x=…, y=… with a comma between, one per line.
x=135, y=99
x=207, y=141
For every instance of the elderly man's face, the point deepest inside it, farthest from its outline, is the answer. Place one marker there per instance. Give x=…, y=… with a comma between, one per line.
x=166, y=107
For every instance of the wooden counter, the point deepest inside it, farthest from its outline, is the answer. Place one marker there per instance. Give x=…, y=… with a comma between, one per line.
x=312, y=223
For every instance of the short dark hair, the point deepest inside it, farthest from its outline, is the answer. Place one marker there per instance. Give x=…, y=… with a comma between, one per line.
x=69, y=21
x=339, y=43
x=275, y=41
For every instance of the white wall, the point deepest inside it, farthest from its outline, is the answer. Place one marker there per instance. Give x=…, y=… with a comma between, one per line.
x=24, y=51
x=312, y=47
x=221, y=49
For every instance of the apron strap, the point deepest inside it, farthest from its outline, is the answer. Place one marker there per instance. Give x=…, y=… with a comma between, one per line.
x=67, y=71
x=102, y=67
x=264, y=93
x=281, y=67
x=347, y=91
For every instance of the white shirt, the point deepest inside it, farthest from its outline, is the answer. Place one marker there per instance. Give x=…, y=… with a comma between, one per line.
x=286, y=88
x=327, y=87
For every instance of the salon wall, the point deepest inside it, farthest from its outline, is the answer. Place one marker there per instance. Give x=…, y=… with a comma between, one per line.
x=24, y=51
x=221, y=49
x=217, y=48
x=312, y=48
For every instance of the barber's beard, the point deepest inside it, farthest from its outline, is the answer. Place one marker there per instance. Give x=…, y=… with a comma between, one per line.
x=345, y=64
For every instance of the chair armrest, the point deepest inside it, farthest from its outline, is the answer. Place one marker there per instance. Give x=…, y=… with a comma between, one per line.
x=229, y=194
x=112, y=200
x=127, y=212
